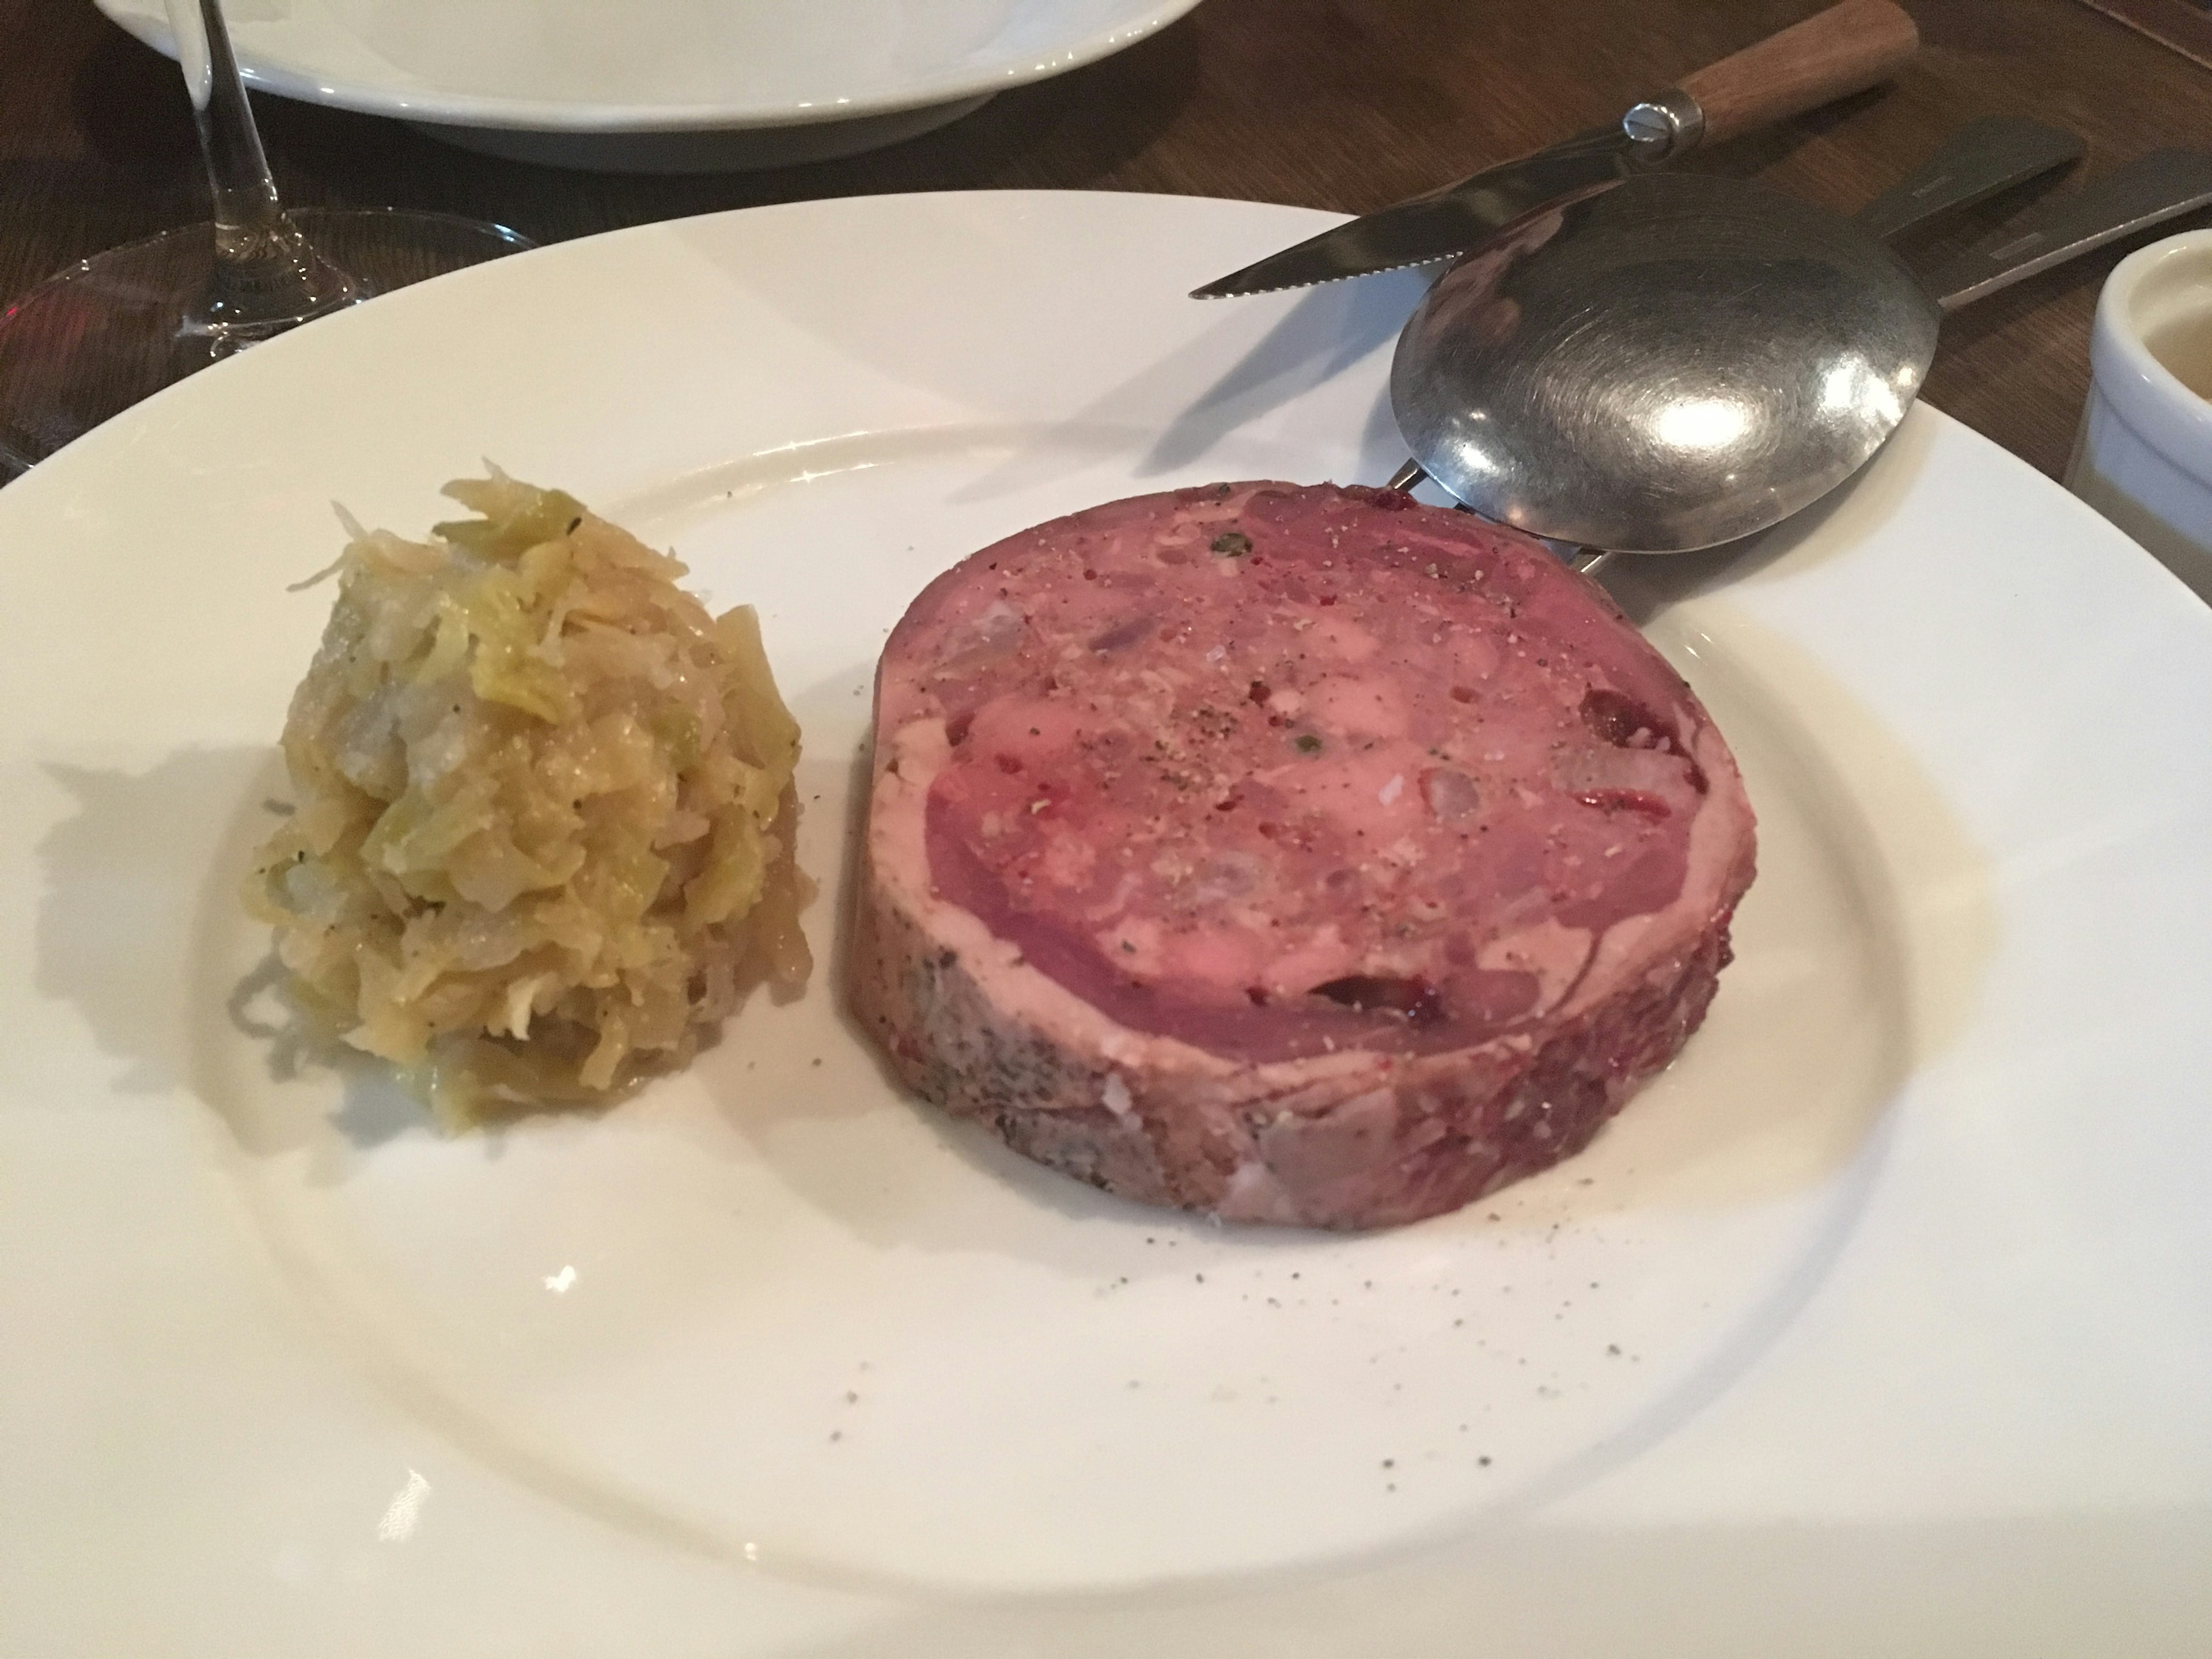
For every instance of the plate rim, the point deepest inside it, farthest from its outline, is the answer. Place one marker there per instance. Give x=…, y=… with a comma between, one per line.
x=2098, y=536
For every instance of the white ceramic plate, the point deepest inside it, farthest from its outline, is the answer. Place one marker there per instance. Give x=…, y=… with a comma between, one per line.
x=1880, y=1324
x=664, y=85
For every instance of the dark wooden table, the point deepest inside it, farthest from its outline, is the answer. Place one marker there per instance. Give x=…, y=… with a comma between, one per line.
x=1345, y=104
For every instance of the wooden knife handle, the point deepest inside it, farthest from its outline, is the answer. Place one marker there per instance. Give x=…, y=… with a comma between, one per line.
x=1843, y=50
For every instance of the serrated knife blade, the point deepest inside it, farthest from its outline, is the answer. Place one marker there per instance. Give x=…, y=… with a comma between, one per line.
x=1843, y=50
x=1445, y=224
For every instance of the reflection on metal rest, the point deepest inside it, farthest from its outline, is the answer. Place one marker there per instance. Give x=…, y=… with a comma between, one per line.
x=1688, y=360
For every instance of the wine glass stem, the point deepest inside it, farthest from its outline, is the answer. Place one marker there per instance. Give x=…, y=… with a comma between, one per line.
x=266, y=276
x=238, y=172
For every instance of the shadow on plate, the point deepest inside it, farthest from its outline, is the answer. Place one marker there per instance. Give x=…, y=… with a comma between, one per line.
x=1328, y=331
x=1330, y=328
x=142, y=930
x=128, y=884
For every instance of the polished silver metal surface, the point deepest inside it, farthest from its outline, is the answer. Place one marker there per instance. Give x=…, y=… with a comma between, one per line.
x=2146, y=192
x=1662, y=128
x=1985, y=156
x=1981, y=158
x=1449, y=222
x=1687, y=359
x=1677, y=362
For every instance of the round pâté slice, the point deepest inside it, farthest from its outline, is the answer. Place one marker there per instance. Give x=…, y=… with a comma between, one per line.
x=1290, y=853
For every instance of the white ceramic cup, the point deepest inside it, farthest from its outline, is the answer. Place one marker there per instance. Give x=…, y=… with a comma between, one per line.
x=2143, y=456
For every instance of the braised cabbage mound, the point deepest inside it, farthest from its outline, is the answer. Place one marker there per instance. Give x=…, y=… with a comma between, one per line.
x=544, y=818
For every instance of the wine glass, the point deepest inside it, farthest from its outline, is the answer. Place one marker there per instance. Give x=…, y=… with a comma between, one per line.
x=96, y=339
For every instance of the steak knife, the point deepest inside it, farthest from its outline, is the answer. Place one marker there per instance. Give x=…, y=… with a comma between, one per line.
x=1845, y=49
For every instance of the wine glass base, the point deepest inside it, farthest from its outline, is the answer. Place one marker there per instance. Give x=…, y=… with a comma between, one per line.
x=96, y=339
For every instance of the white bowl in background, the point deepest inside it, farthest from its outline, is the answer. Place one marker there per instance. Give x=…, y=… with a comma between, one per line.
x=663, y=86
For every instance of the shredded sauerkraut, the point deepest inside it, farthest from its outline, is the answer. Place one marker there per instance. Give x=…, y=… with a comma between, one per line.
x=544, y=821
